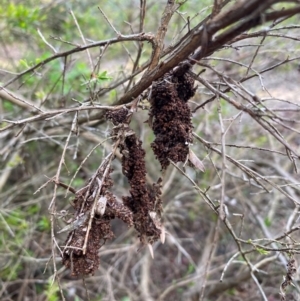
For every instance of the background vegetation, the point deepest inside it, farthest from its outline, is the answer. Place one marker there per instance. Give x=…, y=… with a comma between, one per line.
x=238, y=221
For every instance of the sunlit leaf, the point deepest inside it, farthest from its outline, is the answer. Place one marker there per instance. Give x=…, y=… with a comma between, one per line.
x=103, y=76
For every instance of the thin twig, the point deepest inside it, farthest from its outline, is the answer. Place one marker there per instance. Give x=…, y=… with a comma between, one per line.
x=161, y=32
x=83, y=39
x=45, y=41
x=109, y=23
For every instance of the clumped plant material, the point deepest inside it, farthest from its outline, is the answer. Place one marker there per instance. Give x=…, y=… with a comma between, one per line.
x=95, y=206
x=171, y=117
x=291, y=271
x=144, y=201
x=118, y=116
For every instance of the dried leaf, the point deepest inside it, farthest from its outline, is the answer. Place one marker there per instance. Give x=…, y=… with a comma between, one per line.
x=151, y=251
x=196, y=161
x=101, y=205
x=75, y=224
x=163, y=235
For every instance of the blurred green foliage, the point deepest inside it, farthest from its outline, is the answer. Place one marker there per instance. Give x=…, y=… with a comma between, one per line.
x=52, y=291
x=44, y=223
x=19, y=19
x=14, y=225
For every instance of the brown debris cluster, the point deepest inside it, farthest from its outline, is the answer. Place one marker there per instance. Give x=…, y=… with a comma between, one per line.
x=117, y=116
x=74, y=257
x=291, y=271
x=95, y=206
x=143, y=200
x=171, y=117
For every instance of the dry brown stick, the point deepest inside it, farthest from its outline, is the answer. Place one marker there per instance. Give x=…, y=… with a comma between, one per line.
x=223, y=151
x=122, y=38
x=264, y=123
x=230, y=282
x=210, y=256
x=83, y=161
x=254, y=175
x=236, y=30
x=52, y=206
x=140, y=44
x=145, y=278
x=55, y=113
x=194, y=41
x=83, y=39
x=160, y=34
x=109, y=23
x=216, y=8
x=100, y=116
x=18, y=100
x=245, y=79
x=225, y=221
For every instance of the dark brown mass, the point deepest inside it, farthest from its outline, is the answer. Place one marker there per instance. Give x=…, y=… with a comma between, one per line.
x=117, y=116
x=143, y=199
x=171, y=117
x=73, y=257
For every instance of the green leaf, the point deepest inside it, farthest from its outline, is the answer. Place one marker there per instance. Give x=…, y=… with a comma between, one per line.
x=8, y=106
x=52, y=291
x=191, y=269
x=44, y=224
x=262, y=251
x=267, y=221
x=15, y=161
x=33, y=209
x=103, y=76
x=24, y=63
x=40, y=94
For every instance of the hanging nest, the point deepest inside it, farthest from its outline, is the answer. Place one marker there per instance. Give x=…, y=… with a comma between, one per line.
x=170, y=117
x=95, y=206
x=144, y=201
